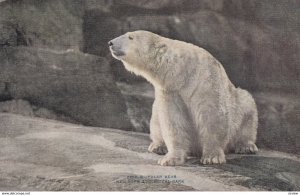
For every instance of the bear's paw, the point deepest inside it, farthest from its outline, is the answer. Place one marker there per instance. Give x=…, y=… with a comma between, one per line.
x=215, y=157
x=170, y=161
x=249, y=148
x=160, y=149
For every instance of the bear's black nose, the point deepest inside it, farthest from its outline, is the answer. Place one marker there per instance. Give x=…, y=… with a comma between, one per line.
x=110, y=43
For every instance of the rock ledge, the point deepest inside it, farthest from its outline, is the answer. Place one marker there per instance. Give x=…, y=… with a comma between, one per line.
x=40, y=155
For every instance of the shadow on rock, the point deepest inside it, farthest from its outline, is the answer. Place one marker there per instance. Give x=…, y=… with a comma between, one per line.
x=269, y=172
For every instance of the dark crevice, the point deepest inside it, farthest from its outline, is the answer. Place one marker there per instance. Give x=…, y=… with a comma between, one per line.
x=6, y=95
x=21, y=40
x=36, y=104
x=5, y=44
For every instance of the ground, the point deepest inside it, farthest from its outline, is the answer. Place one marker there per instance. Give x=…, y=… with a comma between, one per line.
x=40, y=154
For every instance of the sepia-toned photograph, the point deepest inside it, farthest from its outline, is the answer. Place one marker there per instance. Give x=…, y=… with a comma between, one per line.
x=149, y=95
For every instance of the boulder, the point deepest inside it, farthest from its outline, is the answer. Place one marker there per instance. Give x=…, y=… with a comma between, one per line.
x=24, y=108
x=45, y=24
x=45, y=155
x=17, y=107
x=278, y=122
x=77, y=85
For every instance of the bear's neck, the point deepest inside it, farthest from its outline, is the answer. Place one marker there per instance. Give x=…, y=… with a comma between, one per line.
x=161, y=78
x=150, y=75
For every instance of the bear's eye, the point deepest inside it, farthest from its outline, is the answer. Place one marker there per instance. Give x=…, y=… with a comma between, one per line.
x=130, y=37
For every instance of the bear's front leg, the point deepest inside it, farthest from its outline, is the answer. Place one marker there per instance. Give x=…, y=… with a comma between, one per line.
x=158, y=145
x=213, y=156
x=176, y=126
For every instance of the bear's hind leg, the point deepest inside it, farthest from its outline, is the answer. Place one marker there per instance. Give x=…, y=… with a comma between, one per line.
x=246, y=135
x=157, y=146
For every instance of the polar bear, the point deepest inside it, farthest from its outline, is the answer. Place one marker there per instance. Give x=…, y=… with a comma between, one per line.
x=197, y=111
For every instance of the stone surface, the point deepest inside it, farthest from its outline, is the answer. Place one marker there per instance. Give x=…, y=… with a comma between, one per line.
x=278, y=122
x=8, y=35
x=139, y=99
x=156, y=4
x=46, y=24
x=24, y=108
x=17, y=107
x=77, y=85
x=46, y=155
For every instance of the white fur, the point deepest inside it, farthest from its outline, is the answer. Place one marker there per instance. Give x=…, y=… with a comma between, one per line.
x=197, y=110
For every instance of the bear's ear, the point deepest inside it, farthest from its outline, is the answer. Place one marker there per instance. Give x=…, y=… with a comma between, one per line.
x=161, y=48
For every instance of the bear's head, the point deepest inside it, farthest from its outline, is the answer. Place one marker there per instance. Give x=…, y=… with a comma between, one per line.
x=140, y=51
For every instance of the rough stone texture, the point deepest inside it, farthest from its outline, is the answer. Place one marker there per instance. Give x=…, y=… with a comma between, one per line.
x=74, y=84
x=278, y=122
x=17, y=107
x=8, y=35
x=24, y=108
x=156, y=4
x=38, y=154
x=47, y=24
x=139, y=99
